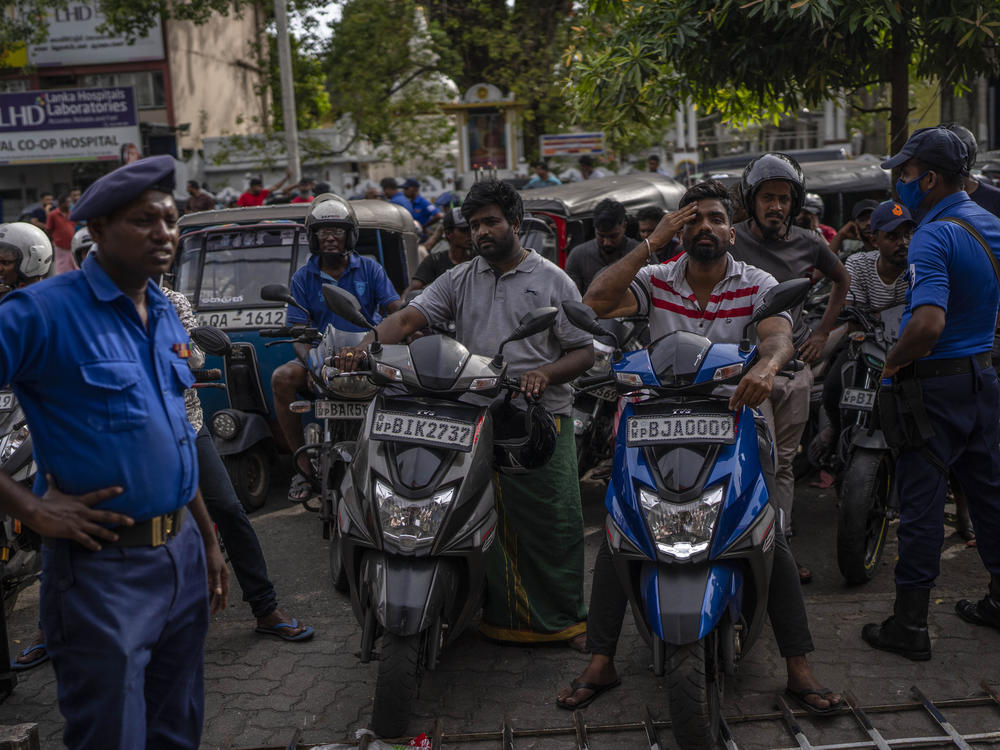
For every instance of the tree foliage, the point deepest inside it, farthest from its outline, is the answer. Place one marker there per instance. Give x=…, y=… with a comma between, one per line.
x=312, y=100
x=754, y=60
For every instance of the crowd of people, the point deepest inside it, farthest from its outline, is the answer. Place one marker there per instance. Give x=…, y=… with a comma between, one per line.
x=107, y=345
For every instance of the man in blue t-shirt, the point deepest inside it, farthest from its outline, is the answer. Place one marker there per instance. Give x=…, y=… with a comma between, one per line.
x=423, y=210
x=392, y=193
x=332, y=229
x=942, y=359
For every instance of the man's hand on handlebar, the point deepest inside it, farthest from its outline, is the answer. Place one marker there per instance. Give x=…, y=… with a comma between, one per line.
x=534, y=383
x=754, y=387
x=351, y=358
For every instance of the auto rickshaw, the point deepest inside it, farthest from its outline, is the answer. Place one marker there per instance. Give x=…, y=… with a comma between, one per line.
x=560, y=217
x=224, y=259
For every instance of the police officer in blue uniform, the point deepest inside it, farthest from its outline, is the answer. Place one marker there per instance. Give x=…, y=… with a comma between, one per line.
x=941, y=369
x=97, y=358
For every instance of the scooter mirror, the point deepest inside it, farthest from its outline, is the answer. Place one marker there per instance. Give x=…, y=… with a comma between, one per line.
x=538, y=320
x=584, y=318
x=275, y=293
x=346, y=305
x=781, y=297
x=211, y=340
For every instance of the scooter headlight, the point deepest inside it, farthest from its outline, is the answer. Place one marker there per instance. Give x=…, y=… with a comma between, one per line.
x=11, y=442
x=354, y=387
x=411, y=523
x=682, y=530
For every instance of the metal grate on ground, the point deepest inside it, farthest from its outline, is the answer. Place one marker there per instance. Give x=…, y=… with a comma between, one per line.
x=647, y=731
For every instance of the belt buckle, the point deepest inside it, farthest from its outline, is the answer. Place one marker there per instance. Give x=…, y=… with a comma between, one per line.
x=161, y=529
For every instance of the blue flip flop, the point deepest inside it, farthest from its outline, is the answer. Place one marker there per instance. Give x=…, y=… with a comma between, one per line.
x=19, y=667
x=281, y=628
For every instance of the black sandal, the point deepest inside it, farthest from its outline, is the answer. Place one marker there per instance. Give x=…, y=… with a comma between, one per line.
x=596, y=691
x=302, y=488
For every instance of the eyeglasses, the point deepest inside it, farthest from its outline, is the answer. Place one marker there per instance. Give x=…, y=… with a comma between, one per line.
x=331, y=233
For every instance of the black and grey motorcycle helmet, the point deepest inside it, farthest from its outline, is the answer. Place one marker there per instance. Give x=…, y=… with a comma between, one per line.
x=965, y=136
x=773, y=166
x=329, y=210
x=523, y=439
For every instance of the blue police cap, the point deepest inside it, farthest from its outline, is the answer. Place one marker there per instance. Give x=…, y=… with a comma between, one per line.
x=124, y=185
x=410, y=182
x=889, y=215
x=936, y=147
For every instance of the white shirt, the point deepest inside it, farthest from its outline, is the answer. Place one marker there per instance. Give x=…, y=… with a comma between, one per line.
x=667, y=300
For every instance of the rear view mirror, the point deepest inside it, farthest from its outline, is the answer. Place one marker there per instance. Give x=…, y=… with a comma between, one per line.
x=211, y=340
x=584, y=318
x=280, y=293
x=536, y=321
x=779, y=298
x=345, y=305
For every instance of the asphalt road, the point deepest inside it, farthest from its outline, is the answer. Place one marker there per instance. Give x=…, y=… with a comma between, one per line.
x=259, y=690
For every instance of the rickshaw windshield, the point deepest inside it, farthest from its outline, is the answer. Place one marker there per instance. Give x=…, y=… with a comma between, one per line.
x=227, y=268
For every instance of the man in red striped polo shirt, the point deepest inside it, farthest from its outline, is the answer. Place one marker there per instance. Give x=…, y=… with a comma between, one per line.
x=709, y=293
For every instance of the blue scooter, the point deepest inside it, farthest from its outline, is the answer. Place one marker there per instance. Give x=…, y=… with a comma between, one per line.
x=691, y=525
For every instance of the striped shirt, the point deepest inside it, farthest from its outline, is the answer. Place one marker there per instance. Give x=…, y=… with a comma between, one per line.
x=664, y=296
x=868, y=291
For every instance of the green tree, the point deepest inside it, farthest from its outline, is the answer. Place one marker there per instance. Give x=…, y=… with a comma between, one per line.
x=312, y=100
x=753, y=60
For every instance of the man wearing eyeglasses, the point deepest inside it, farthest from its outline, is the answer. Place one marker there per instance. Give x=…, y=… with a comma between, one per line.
x=332, y=231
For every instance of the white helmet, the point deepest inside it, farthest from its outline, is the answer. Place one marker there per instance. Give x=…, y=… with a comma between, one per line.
x=31, y=246
x=81, y=244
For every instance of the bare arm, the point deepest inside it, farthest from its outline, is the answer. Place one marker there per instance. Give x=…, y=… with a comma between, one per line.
x=218, y=573
x=773, y=351
x=63, y=516
x=571, y=364
x=919, y=337
x=282, y=181
x=813, y=348
x=608, y=294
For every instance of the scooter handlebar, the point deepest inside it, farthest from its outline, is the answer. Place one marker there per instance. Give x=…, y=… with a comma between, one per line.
x=207, y=376
x=594, y=380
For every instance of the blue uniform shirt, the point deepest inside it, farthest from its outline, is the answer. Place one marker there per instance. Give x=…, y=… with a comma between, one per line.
x=423, y=210
x=403, y=201
x=104, y=396
x=364, y=278
x=949, y=269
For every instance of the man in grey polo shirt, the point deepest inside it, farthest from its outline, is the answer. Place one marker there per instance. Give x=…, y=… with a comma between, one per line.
x=535, y=570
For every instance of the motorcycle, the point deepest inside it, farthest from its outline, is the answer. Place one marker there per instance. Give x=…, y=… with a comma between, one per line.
x=594, y=408
x=868, y=493
x=341, y=401
x=20, y=547
x=416, y=511
x=691, y=525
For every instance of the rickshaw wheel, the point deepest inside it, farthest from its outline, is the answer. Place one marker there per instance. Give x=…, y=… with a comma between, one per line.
x=250, y=473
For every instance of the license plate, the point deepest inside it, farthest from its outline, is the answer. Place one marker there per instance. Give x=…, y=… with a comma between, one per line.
x=410, y=428
x=686, y=428
x=6, y=401
x=248, y=317
x=340, y=409
x=606, y=393
x=857, y=398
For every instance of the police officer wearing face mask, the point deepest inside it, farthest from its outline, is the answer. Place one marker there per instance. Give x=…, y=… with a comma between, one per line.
x=941, y=368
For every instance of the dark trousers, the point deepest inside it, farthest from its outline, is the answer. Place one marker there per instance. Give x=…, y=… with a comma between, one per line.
x=964, y=411
x=238, y=535
x=833, y=387
x=785, y=605
x=125, y=627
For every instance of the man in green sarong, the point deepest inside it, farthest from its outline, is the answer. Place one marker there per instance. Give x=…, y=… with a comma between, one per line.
x=535, y=568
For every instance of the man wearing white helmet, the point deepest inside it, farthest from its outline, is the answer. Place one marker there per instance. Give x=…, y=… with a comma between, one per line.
x=332, y=229
x=25, y=255
x=81, y=245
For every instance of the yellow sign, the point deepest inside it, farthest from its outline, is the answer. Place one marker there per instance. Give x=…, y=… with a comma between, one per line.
x=14, y=58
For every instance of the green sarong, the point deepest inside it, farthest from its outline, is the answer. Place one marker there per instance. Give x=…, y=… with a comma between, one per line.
x=534, y=570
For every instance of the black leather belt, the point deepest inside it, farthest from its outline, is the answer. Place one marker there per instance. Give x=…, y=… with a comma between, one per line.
x=936, y=368
x=152, y=532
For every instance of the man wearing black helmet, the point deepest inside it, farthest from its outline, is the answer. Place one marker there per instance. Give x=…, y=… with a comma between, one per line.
x=982, y=193
x=773, y=192
x=332, y=229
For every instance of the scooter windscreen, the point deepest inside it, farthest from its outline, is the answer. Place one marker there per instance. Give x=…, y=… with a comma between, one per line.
x=677, y=357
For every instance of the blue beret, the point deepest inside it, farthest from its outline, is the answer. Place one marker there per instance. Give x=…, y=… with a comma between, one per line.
x=935, y=147
x=124, y=185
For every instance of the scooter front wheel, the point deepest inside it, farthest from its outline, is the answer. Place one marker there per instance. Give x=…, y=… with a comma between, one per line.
x=863, y=524
x=396, y=686
x=694, y=679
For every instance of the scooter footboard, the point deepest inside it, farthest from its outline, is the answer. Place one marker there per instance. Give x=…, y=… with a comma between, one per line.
x=407, y=593
x=683, y=604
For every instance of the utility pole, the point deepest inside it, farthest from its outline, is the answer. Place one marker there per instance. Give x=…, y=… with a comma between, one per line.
x=287, y=90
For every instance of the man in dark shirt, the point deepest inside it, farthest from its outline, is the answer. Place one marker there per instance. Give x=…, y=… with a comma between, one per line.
x=456, y=232
x=982, y=193
x=609, y=244
x=199, y=200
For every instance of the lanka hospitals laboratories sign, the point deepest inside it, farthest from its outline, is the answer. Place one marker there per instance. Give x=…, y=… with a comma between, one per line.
x=67, y=124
